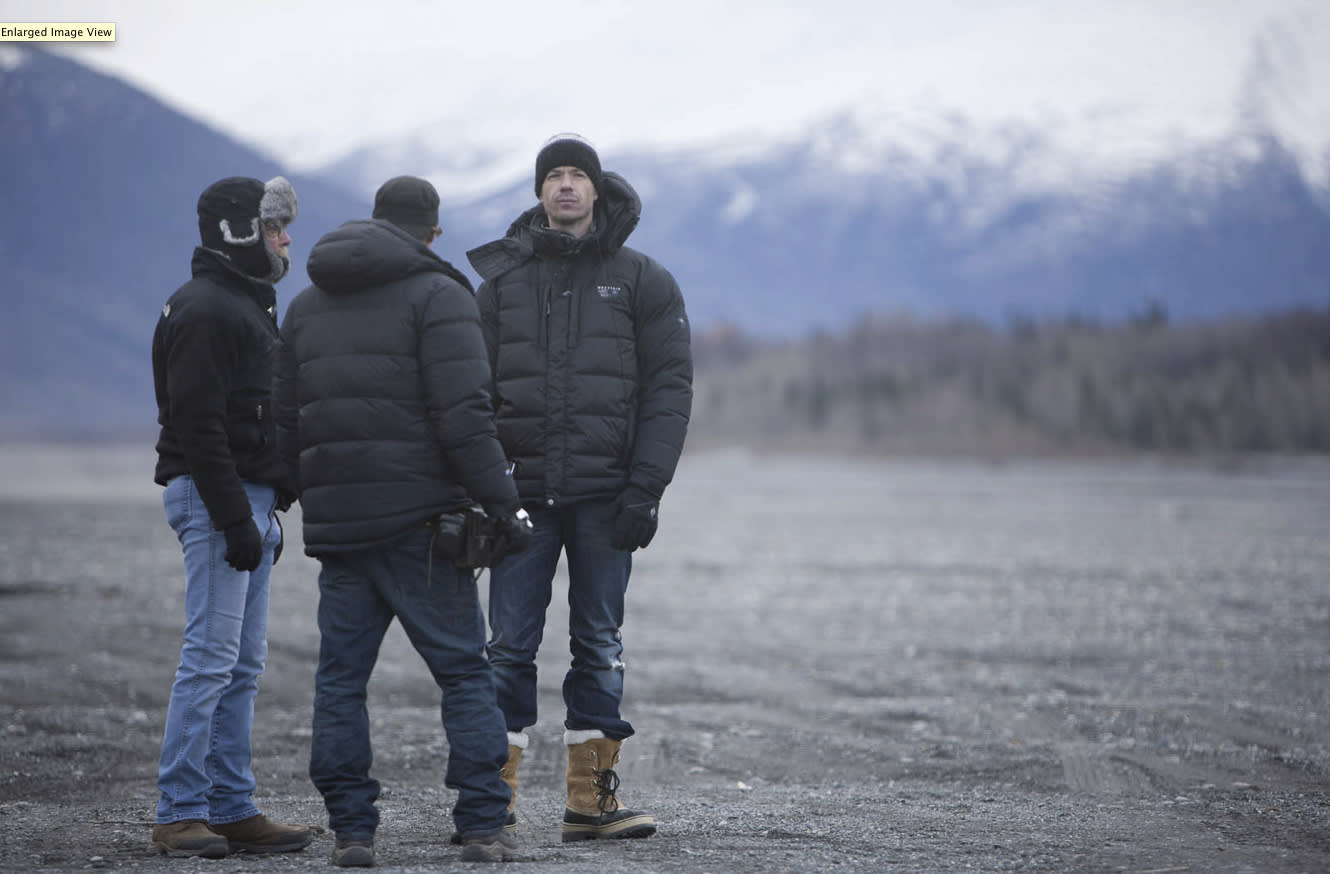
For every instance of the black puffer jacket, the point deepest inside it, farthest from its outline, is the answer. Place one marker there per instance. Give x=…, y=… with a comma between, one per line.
x=589, y=344
x=212, y=366
x=383, y=392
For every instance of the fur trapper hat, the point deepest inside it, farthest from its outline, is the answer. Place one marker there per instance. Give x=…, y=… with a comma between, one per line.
x=232, y=213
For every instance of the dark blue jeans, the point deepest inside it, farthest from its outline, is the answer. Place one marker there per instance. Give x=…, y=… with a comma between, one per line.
x=439, y=608
x=520, y=589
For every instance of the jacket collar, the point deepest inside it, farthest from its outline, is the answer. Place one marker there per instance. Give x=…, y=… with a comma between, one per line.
x=210, y=263
x=618, y=210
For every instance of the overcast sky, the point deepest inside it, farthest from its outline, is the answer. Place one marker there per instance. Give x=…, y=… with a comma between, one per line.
x=309, y=81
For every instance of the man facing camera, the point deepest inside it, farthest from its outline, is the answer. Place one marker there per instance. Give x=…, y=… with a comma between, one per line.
x=589, y=344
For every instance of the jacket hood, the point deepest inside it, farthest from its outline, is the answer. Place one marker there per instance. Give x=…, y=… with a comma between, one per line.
x=618, y=210
x=367, y=253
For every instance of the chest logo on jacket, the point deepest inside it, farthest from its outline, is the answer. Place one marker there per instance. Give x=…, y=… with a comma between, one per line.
x=608, y=291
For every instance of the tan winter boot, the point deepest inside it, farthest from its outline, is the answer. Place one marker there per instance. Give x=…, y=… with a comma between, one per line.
x=594, y=809
x=517, y=741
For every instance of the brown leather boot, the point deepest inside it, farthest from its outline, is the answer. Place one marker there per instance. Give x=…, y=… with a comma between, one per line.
x=593, y=809
x=258, y=834
x=189, y=837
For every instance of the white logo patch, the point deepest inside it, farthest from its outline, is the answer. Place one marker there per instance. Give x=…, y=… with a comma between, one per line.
x=608, y=291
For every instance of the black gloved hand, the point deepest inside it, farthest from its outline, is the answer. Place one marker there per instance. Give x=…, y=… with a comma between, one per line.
x=244, y=546
x=635, y=519
x=512, y=533
x=281, y=539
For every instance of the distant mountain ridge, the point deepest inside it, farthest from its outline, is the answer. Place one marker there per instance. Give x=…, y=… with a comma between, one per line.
x=777, y=238
x=782, y=237
x=96, y=231
x=793, y=239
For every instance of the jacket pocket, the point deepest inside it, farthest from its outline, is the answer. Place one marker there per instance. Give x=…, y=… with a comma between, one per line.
x=247, y=425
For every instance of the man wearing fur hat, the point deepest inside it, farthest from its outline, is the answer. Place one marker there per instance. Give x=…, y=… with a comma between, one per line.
x=589, y=344
x=212, y=361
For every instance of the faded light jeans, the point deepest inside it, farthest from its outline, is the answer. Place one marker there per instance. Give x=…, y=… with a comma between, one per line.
x=520, y=591
x=360, y=593
x=204, y=772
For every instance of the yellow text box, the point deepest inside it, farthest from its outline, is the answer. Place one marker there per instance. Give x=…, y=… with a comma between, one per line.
x=57, y=31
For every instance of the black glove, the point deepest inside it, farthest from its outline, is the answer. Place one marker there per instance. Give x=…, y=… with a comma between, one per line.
x=512, y=533
x=635, y=519
x=281, y=538
x=244, y=546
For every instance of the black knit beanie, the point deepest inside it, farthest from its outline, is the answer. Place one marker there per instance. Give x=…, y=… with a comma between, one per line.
x=409, y=202
x=231, y=216
x=567, y=150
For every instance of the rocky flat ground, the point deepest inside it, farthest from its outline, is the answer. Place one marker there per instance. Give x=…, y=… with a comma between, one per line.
x=832, y=665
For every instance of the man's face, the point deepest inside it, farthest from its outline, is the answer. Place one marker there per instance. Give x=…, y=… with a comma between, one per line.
x=277, y=239
x=568, y=196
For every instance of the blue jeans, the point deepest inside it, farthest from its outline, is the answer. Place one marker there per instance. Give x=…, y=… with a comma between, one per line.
x=439, y=607
x=597, y=583
x=204, y=771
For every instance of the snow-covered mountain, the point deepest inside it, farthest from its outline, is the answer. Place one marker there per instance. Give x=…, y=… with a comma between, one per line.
x=872, y=208
x=866, y=210
x=781, y=236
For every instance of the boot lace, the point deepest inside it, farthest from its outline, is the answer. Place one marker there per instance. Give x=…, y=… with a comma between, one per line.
x=607, y=784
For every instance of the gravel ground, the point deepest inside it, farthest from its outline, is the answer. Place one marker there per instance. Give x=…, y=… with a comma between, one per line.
x=832, y=665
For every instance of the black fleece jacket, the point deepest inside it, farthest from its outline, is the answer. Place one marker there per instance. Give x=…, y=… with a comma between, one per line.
x=383, y=392
x=212, y=365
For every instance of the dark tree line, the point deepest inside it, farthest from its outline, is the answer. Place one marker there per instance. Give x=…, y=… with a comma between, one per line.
x=1257, y=384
